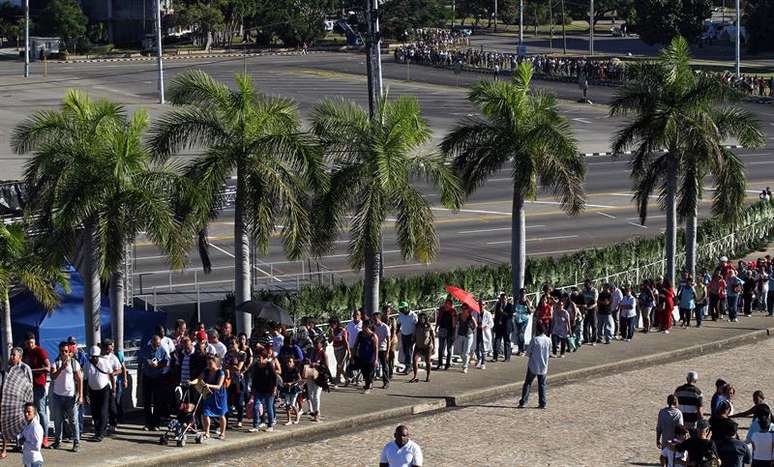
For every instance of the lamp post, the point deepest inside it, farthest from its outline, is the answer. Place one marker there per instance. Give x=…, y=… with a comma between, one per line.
x=26, y=38
x=738, y=38
x=591, y=27
x=159, y=56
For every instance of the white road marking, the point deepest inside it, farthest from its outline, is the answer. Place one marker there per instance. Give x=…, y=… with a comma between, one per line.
x=555, y=252
x=609, y=216
x=254, y=266
x=582, y=120
x=499, y=179
x=463, y=232
x=540, y=239
x=638, y=225
x=557, y=203
x=474, y=211
x=658, y=216
x=630, y=195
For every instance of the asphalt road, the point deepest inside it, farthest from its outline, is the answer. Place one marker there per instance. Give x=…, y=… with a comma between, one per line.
x=478, y=234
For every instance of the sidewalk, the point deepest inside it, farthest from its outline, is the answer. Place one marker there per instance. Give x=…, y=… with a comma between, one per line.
x=346, y=408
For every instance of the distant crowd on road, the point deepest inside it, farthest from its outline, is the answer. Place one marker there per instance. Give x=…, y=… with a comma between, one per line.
x=614, y=70
x=436, y=37
x=280, y=368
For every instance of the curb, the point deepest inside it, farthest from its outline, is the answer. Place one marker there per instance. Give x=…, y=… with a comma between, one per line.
x=627, y=153
x=331, y=428
x=184, y=57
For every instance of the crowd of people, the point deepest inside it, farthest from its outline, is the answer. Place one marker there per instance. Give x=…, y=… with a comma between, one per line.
x=450, y=54
x=691, y=432
x=288, y=369
x=436, y=36
x=499, y=62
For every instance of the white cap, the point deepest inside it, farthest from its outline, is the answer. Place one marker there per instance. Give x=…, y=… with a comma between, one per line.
x=724, y=259
x=95, y=351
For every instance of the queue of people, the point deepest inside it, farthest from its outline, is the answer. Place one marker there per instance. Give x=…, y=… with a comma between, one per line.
x=691, y=432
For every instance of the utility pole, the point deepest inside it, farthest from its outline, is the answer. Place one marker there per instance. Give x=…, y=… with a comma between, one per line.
x=374, y=59
x=373, y=263
x=159, y=52
x=591, y=27
x=738, y=38
x=521, y=22
x=551, y=25
x=26, y=39
x=564, y=31
x=495, y=15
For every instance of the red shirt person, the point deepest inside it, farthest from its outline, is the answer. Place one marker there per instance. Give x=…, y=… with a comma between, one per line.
x=36, y=358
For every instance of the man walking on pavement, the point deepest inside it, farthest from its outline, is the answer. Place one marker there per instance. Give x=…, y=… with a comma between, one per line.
x=590, y=296
x=538, y=351
x=407, y=324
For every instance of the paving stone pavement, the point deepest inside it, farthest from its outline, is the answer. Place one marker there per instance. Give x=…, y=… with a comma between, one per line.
x=608, y=421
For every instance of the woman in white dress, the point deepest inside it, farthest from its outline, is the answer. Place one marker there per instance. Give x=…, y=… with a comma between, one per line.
x=484, y=336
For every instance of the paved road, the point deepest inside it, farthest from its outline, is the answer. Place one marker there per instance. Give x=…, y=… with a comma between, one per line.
x=478, y=234
x=607, y=421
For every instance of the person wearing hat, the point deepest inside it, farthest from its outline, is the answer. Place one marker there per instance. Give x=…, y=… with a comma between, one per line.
x=99, y=374
x=407, y=325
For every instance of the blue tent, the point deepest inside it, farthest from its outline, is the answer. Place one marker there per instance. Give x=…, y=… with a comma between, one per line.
x=27, y=315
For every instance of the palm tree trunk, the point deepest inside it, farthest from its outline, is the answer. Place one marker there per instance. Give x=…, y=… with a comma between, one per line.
x=242, y=292
x=518, y=242
x=7, y=330
x=371, y=283
x=690, y=243
x=91, y=287
x=117, y=307
x=670, y=235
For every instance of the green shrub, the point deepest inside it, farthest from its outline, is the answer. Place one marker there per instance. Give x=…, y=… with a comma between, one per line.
x=631, y=262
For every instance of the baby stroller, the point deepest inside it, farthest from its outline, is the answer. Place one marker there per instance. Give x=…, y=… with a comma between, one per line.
x=184, y=427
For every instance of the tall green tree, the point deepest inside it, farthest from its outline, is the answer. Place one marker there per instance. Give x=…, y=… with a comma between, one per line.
x=92, y=189
x=523, y=128
x=398, y=16
x=260, y=140
x=63, y=18
x=21, y=265
x=758, y=18
x=292, y=22
x=373, y=162
x=659, y=21
x=688, y=116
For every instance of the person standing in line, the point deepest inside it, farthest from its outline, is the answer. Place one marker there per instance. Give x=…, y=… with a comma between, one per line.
x=31, y=439
x=690, y=401
x=616, y=295
x=383, y=335
x=67, y=389
x=605, y=322
x=669, y=418
x=264, y=387
x=366, y=352
x=713, y=295
x=407, y=322
x=628, y=314
x=155, y=368
x=560, y=324
x=590, y=296
x=99, y=374
x=485, y=331
x=403, y=452
x=36, y=358
x=339, y=338
x=700, y=296
x=119, y=376
x=522, y=311
x=538, y=351
x=687, y=302
x=700, y=449
x=763, y=443
x=424, y=337
x=731, y=451
x=499, y=332
x=445, y=323
x=733, y=290
x=466, y=329
x=353, y=329
x=666, y=303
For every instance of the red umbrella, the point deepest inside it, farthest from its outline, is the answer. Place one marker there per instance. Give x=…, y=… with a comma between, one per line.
x=464, y=297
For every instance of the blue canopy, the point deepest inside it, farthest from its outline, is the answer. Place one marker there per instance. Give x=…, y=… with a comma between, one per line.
x=27, y=315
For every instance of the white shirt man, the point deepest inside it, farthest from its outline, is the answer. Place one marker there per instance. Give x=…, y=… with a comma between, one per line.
x=402, y=452
x=538, y=352
x=353, y=329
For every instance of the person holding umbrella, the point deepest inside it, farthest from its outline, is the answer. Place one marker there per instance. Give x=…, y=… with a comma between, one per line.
x=466, y=329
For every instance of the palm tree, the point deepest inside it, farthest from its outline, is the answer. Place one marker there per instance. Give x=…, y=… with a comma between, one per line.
x=373, y=161
x=524, y=128
x=260, y=139
x=20, y=265
x=680, y=122
x=92, y=189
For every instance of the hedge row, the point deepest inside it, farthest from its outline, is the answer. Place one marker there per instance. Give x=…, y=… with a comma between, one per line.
x=625, y=262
